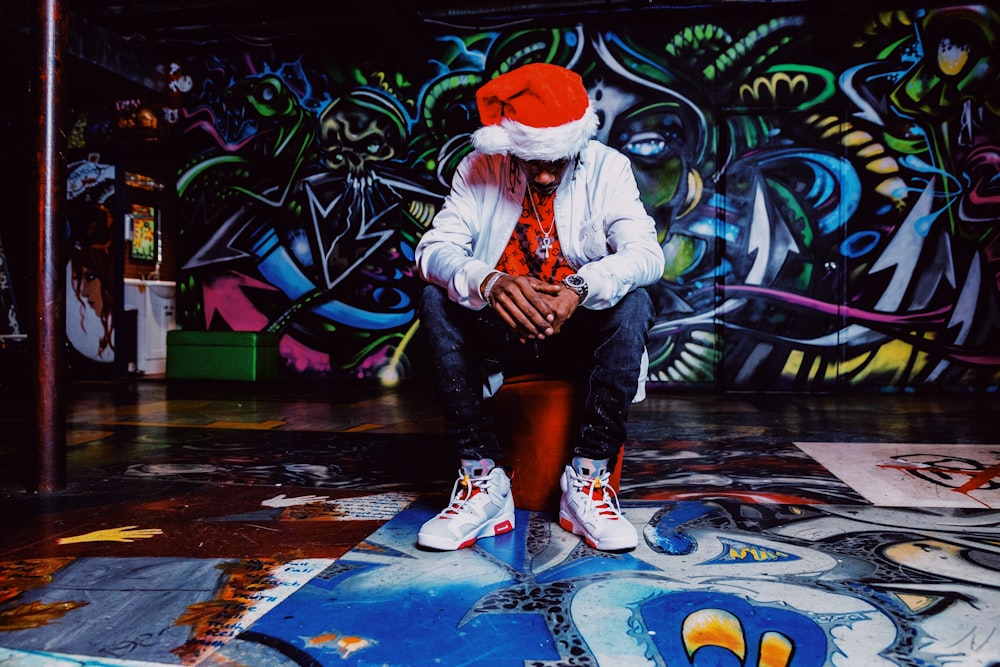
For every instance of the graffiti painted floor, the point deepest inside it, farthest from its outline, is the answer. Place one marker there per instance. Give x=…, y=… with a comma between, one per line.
x=264, y=526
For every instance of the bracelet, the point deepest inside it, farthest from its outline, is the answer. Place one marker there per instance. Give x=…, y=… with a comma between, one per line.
x=490, y=284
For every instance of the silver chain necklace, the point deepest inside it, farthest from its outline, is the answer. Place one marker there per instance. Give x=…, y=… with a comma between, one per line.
x=545, y=242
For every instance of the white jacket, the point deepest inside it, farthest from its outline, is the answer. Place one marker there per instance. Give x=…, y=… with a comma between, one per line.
x=604, y=230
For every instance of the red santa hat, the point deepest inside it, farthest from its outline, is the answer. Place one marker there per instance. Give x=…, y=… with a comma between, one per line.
x=536, y=112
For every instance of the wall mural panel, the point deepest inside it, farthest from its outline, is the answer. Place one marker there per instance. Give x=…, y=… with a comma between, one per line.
x=826, y=189
x=91, y=265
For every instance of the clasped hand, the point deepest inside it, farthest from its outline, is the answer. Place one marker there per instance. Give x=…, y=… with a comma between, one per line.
x=531, y=307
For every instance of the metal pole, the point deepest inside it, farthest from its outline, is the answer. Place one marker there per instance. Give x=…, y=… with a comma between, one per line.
x=51, y=31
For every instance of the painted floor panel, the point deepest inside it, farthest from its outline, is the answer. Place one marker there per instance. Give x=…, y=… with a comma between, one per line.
x=251, y=526
x=159, y=610
x=904, y=474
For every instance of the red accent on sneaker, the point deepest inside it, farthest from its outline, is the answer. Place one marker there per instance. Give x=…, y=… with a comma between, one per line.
x=568, y=527
x=467, y=495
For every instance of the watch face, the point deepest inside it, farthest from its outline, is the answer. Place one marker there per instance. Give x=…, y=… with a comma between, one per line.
x=576, y=283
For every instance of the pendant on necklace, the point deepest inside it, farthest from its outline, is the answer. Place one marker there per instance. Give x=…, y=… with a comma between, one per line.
x=545, y=241
x=544, y=244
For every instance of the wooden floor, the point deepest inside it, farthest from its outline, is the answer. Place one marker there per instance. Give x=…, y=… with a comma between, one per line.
x=266, y=525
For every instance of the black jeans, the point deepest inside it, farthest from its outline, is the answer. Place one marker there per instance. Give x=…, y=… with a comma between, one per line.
x=601, y=350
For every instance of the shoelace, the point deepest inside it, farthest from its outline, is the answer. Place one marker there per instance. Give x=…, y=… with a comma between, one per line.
x=471, y=487
x=601, y=492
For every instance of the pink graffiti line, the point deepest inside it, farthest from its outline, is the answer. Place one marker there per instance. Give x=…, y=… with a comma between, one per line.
x=933, y=317
x=936, y=316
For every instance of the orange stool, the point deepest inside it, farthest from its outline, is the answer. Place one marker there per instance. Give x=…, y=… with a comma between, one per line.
x=536, y=422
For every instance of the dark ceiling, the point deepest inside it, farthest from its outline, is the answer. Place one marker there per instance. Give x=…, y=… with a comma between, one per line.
x=176, y=22
x=187, y=22
x=165, y=22
x=124, y=36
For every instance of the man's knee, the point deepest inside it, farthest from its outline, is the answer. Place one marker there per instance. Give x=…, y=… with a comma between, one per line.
x=635, y=308
x=432, y=302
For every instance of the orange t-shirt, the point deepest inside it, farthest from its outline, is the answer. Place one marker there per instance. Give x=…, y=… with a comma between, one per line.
x=523, y=255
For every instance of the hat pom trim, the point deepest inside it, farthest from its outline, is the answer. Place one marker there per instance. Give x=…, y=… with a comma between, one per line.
x=491, y=139
x=537, y=143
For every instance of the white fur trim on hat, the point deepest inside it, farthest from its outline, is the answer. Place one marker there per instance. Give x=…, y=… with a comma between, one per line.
x=537, y=143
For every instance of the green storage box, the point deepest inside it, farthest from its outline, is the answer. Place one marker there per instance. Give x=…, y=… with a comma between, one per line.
x=222, y=355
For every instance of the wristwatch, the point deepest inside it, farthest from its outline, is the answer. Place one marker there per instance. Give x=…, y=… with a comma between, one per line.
x=578, y=284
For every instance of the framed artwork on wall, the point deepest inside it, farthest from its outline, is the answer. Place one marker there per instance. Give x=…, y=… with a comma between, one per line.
x=145, y=243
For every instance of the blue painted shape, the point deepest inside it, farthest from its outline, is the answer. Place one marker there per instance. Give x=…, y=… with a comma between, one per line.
x=668, y=536
x=836, y=185
x=338, y=311
x=408, y=251
x=277, y=268
x=860, y=243
x=510, y=549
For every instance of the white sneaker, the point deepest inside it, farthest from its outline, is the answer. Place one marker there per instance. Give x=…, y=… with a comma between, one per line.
x=481, y=506
x=589, y=508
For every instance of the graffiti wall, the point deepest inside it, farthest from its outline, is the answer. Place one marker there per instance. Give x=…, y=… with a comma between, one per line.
x=92, y=268
x=10, y=326
x=826, y=188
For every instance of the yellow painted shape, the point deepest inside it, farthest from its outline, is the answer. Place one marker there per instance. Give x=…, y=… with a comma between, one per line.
x=75, y=437
x=362, y=427
x=871, y=151
x=839, y=128
x=775, y=650
x=883, y=165
x=907, y=553
x=19, y=576
x=890, y=359
x=351, y=645
x=154, y=407
x=856, y=138
x=793, y=363
x=894, y=188
x=847, y=366
x=755, y=553
x=814, y=370
x=120, y=534
x=250, y=426
x=35, y=614
x=894, y=357
x=244, y=426
x=103, y=412
x=714, y=627
x=916, y=603
x=346, y=645
x=322, y=639
x=952, y=57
